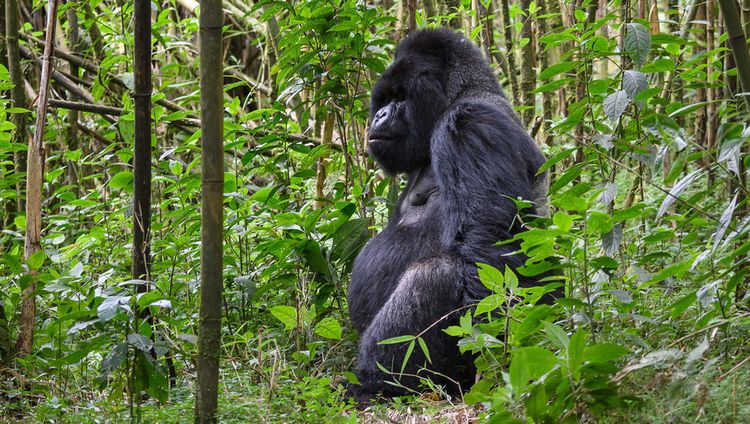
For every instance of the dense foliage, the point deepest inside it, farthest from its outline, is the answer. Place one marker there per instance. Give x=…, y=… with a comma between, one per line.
x=635, y=105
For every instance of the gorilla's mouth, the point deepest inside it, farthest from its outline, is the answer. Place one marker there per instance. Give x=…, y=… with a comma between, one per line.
x=374, y=141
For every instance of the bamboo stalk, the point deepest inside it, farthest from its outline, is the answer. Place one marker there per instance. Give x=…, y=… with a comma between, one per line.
x=212, y=229
x=142, y=151
x=738, y=43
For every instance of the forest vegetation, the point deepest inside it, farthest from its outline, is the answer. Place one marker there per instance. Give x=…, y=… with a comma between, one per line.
x=126, y=127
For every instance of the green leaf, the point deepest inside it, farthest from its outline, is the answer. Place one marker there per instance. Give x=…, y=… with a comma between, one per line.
x=287, y=315
x=425, y=350
x=36, y=260
x=315, y=259
x=409, y=351
x=682, y=304
x=122, y=179
x=397, y=339
x=489, y=303
x=659, y=65
x=114, y=359
x=555, y=159
x=637, y=43
x=349, y=238
x=491, y=277
x=556, y=335
x=604, y=352
x=667, y=272
x=529, y=363
x=576, y=348
x=615, y=104
x=328, y=328
x=558, y=68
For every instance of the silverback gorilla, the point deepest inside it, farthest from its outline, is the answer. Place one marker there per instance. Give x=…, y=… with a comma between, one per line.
x=438, y=115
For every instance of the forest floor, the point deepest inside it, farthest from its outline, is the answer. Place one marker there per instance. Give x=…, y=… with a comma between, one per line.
x=656, y=397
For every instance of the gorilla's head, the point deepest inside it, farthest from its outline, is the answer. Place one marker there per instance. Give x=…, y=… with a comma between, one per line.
x=431, y=70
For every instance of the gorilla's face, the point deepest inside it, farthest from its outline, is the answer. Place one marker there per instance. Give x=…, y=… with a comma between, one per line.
x=407, y=100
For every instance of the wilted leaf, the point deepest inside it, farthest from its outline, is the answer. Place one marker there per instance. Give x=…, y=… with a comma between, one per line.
x=724, y=220
x=634, y=82
x=140, y=342
x=611, y=240
x=675, y=192
x=637, y=43
x=615, y=104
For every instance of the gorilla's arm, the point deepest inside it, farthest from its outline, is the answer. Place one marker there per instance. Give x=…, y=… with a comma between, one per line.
x=482, y=158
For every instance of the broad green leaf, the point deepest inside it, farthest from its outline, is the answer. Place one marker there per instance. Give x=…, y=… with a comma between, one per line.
x=328, y=328
x=287, y=315
x=491, y=277
x=36, y=260
x=490, y=303
x=349, y=239
x=555, y=159
x=113, y=360
x=123, y=179
x=529, y=363
x=659, y=65
x=312, y=254
x=556, y=335
x=558, y=68
x=682, y=304
x=576, y=349
x=604, y=352
x=667, y=272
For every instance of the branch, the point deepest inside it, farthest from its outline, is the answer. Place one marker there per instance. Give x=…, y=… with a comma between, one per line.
x=86, y=107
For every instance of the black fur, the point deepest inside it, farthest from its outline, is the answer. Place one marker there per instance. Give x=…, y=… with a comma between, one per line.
x=439, y=115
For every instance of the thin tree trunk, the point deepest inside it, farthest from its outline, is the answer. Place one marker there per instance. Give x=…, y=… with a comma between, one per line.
x=94, y=33
x=509, y=53
x=528, y=76
x=34, y=180
x=411, y=6
x=73, y=115
x=738, y=43
x=544, y=64
x=320, y=177
x=711, y=115
x=17, y=94
x=699, y=122
x=212, y=154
